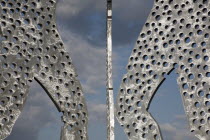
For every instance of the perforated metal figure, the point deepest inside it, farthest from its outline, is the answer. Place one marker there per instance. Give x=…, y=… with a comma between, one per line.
x=175, y=33
x=31, y=48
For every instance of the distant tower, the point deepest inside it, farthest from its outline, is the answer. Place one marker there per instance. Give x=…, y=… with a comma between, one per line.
x=110, y=100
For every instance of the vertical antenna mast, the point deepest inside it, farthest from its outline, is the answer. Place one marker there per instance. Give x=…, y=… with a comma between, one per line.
x=110, y=99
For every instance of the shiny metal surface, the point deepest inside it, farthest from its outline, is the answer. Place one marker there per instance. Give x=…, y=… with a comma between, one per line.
x=175, y=36
x=110, y=98
x=31, y=48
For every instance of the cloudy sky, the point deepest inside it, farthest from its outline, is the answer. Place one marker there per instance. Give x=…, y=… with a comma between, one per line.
x=82, y=25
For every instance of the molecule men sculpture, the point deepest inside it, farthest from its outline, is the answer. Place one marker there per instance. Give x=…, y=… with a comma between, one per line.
x=175, y=36
x=31, y=48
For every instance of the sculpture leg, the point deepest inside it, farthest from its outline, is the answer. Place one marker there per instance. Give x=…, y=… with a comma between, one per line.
x=137, y=89
x=13, y=93
x=65, y=91
x=194, y=85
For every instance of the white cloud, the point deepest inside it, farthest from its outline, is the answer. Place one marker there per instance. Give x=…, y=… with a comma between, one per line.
x=132, y=10
x=89, y=61
x=168, y=127
x=181, y=117
x=68, y=8
x=176, y=131
x=97, y=112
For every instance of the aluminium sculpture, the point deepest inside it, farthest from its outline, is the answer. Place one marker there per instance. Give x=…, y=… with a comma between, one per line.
x=31, y=48
x=175, y=36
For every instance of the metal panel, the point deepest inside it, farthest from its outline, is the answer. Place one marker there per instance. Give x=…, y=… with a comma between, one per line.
x=30, y=48
x=175, y=36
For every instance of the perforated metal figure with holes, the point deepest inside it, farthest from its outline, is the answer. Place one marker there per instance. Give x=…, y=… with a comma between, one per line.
x=31, y=48
x=175, y=33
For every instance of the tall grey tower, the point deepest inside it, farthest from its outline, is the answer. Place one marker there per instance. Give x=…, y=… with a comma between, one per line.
x=110, y=100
